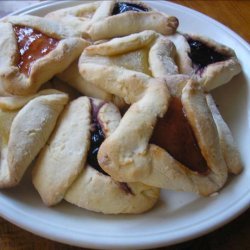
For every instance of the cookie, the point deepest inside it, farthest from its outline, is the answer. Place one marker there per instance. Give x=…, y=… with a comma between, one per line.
x=34, y=49
x=205, y=60
x=131, y=153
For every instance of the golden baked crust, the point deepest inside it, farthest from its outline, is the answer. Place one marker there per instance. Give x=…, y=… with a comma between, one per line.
x=62, y=159
x=68, y=48
x=78, y=18
x=25, y=122
x=77, y=181
x=72, y=77
x=101, y=193
x=98, y=21
x=228, y=145
x=214, y=74
x=147, y=52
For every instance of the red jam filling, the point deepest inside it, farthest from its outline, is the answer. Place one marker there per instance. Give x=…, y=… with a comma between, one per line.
x=174, y=133
x=32, y=45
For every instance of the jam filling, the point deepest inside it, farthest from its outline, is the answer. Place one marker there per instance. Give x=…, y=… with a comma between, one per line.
x=32, y=45
x=97, y=137
x=174, y=133
x=124, y=7
x=202, y=55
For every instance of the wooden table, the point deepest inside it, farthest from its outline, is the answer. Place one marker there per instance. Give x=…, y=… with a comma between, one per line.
x=235, y=235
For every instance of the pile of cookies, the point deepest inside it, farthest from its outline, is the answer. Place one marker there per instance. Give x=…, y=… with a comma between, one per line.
x=109, y=103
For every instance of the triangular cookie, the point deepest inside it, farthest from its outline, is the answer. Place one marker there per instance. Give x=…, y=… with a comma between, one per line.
x=33, y=50
x=127, y=155
x=205, y=60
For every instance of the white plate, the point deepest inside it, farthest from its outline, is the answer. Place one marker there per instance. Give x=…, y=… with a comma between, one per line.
x=178, y=216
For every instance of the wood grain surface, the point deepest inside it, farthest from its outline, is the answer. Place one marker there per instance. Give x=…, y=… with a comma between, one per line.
x=235, y=235
x=234, y=14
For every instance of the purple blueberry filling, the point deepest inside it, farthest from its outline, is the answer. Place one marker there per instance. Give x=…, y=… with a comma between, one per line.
x=97, y=137
x=124, y=7
x=202, y=55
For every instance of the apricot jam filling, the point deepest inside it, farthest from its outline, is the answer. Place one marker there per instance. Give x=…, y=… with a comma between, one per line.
x=32, y=45
x=174, y=133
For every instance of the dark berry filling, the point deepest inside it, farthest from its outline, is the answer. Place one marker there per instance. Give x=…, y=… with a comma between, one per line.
x=124, y=7
x=174, y=133
x=202, y=55
x=97, y=137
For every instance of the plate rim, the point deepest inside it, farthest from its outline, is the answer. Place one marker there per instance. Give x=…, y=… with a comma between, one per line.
x=242, y=205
